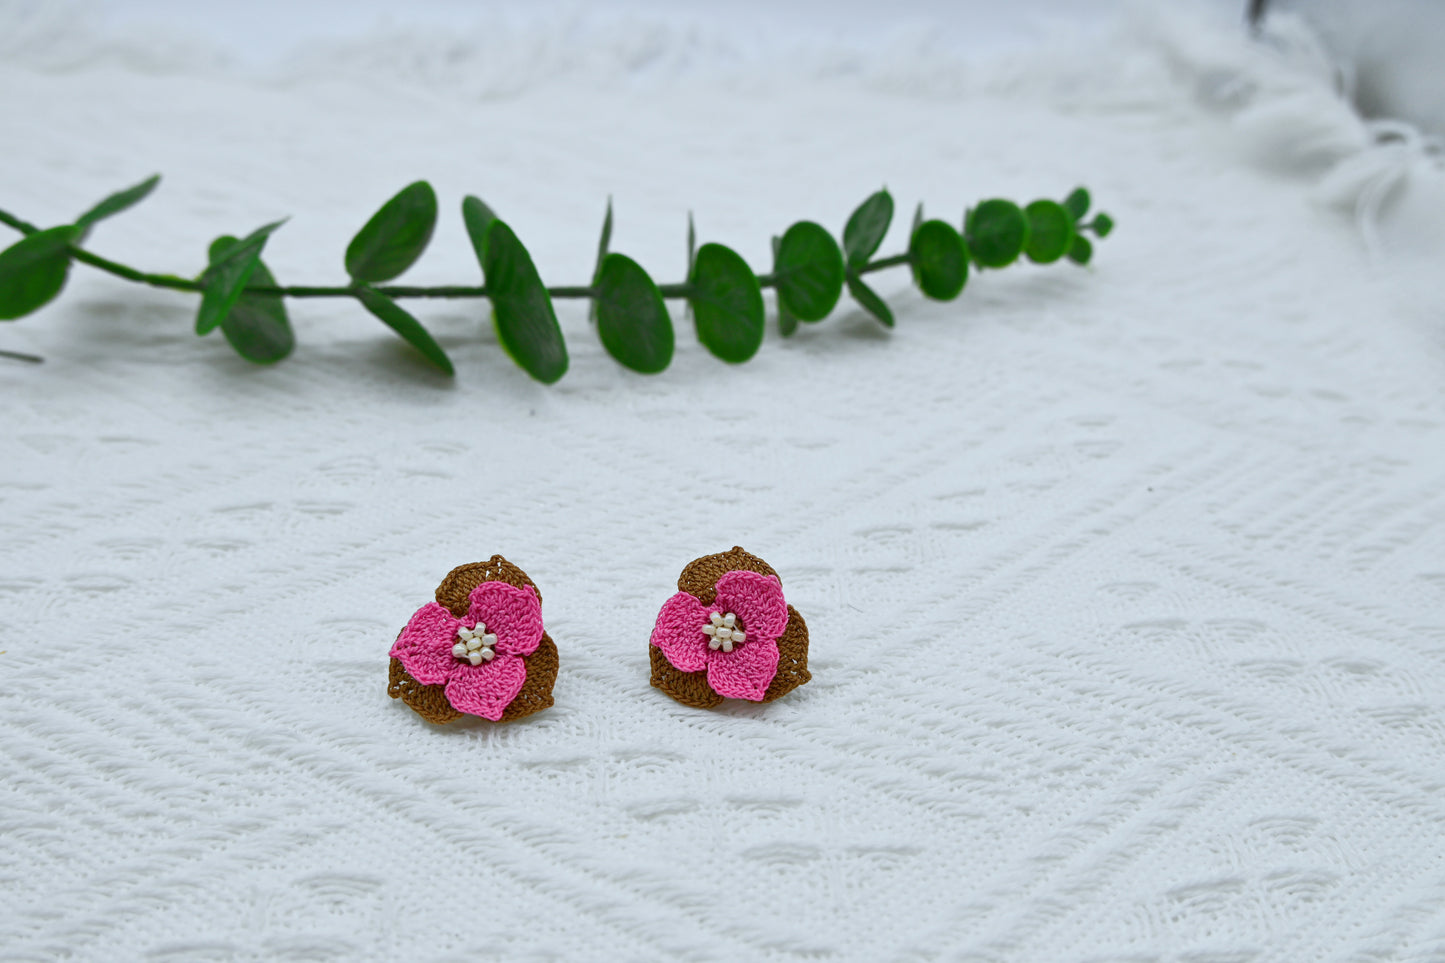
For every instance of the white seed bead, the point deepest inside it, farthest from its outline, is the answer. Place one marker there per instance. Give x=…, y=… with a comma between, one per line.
x=716, y=618
x=709, y=629
x=730, y=620
x=739, y=635
x=480, y=628
x=714, y=644
x=464, y=633
x=489, y=640
x=475, y=658
x=727, y=645
x=459, y=650
x=724, y=633
x=488, y=654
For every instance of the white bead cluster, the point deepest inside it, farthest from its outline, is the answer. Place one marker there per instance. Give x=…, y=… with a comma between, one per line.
x=723, y=632
x=476, y=645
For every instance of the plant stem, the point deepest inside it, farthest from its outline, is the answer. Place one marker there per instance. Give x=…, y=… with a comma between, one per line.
x=169, y=281
x=24, y=227
x=885, y=262
x=17, y=356
x=172, y=282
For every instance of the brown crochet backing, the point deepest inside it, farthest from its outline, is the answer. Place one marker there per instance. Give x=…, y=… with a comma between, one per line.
x=430, y=701
x=699, y=578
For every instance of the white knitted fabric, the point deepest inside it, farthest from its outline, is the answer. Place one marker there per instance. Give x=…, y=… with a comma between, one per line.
x=1124, y=584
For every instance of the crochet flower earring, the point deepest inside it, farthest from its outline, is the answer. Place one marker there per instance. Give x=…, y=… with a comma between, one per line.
x=728, y=634
x=478, y=650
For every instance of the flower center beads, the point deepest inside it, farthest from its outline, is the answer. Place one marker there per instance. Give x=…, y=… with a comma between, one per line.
x=475, y=645
x=723, y=631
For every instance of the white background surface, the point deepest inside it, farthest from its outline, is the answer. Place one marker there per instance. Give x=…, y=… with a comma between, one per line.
x=270, y=28
x=1124, y=584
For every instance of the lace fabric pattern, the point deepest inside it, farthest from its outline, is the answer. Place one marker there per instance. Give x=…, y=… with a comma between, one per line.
x=1123, y=586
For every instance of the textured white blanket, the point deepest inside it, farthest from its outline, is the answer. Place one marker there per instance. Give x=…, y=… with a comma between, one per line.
x=1124, y=584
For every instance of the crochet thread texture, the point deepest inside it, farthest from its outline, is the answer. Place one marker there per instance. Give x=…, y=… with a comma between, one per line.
x=454, y=595
x=699, y=578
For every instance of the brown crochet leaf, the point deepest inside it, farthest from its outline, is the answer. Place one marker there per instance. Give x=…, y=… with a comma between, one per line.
x=792, y=658
x=428, y=701
x=536, y=693
x=454, y=594
x=689, y=688
x=699, y=578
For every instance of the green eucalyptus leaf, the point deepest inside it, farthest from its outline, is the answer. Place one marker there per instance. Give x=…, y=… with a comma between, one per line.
x=521, y=307
x=632, y=321
x=997, y=233
x=940, y=260
x=602, y=244
x=869, y=299
x=727, y=304
x=257, y=325
x=1103, y=224
x=228, y=276
x=787, y=324
x=809, y=271
x=1081, y=251
x=1077, y=203
x=478, y=218
x=1051, y=231
x=118, y=202
x=866, y=227
x=33, y=270
x=400, y=320
x=395, y=236
x=220, y=247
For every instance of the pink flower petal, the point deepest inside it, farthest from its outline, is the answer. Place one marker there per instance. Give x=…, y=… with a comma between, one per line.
x=757, y=600
x=425, y=645
x=513, y=615
x=486, y=690
x=678, y=633
x=746, y=671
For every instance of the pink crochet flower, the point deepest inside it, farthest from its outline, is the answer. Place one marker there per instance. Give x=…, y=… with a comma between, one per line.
x=480, y=657
x=735, y=639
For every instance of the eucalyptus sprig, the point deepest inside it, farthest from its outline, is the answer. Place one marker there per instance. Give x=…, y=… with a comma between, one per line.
x=810, y=272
